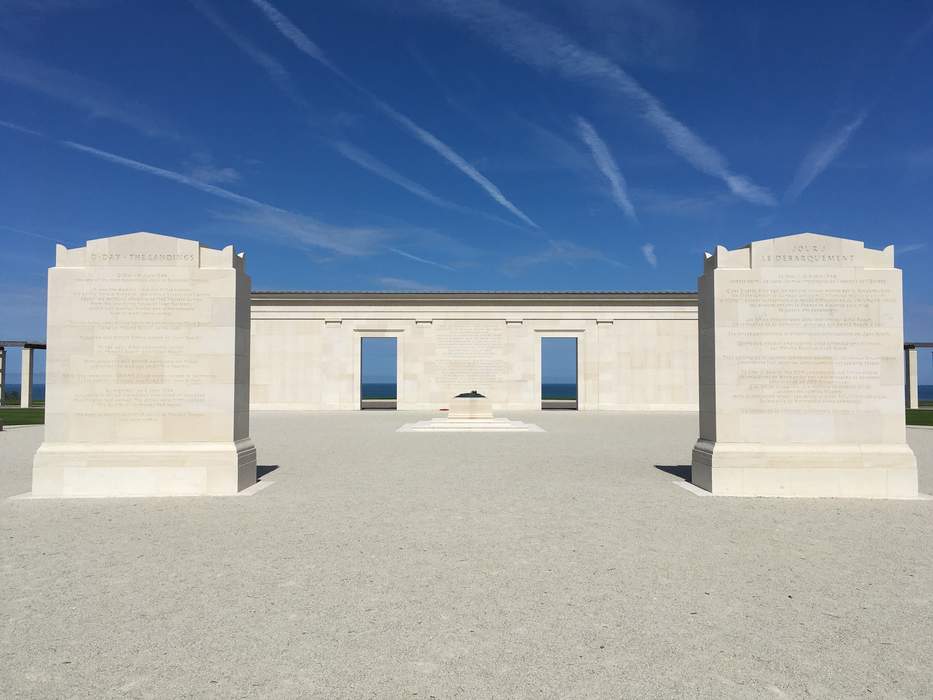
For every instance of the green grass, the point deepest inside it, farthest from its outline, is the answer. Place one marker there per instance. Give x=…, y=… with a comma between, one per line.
x=22, y=416
x=919, y=416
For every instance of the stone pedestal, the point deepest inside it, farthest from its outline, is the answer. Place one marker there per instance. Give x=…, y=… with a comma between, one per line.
x=147, y=371
x=467, y=408
x=801, y=372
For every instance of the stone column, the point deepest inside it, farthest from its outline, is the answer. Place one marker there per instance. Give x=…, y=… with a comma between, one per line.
x=912, y=394
x=25, y=388
x=2, y=373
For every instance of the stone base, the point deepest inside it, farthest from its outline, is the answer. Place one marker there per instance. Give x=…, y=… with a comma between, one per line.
x=470, y=408
x=180, y=469
x=470, y=425
x=807, y=471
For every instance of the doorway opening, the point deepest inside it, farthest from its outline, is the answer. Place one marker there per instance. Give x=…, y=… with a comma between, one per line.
x=559, y=373
x=379, y=373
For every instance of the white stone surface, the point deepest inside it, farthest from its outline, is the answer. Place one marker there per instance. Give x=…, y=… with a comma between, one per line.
x=475, y=408
x=147, y=371
x=634, y=352
x=26, y=379
x=913, y=378
x=801, y=373
x=470, y=425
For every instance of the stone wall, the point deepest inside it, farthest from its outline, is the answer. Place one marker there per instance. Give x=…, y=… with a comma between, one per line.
x=635, y=352
x=147, y=371
x=801, y=371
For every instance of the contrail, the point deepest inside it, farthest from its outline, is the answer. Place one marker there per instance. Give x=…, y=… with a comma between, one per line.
x=291, y=32
x=820, y=156
x=543, y=47
x=607, y=165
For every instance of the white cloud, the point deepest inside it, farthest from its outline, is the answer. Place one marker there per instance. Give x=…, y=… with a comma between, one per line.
x=820, y=156
x=31, y=234
x=21, y=129
x=558, y=252
x=296, y=36
x=291, y=225
x=275, y=70
x=559, y=151
x=167, y=174
x=308, y=47
x=407, y=285
x=418, y=258
x=93, y=98
x=607, y=166
x=676, y=204
x=446, y=152
x=909, y=248
x=374, y=165
x=648, y=251
x=210, y=173
x=543, y=47
x=306, y=230
x=201, y=167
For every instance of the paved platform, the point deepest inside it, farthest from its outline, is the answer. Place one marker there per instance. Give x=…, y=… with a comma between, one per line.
x=470, y=425
x=382, y=564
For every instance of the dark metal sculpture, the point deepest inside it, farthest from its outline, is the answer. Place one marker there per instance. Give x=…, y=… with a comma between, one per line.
x=471, y=395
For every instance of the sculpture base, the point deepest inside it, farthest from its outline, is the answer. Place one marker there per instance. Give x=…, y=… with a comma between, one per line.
x=805, y=471
x=180, y=469
x=468, y=408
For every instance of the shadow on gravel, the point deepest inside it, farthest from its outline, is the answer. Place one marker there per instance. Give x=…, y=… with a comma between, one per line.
x=682, y=471
x=263, y=469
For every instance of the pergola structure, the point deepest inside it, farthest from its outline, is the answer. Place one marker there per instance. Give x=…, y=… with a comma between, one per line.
x=912, y=393
x=28, y=347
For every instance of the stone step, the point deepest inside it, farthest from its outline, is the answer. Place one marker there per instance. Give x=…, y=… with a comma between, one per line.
x=470, y=425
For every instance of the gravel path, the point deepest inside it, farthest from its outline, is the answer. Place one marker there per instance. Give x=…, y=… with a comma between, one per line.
x=379, y=564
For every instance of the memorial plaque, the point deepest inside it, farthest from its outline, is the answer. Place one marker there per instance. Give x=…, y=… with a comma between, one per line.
x=470, y=353
x=801, y=371
x=147, y=371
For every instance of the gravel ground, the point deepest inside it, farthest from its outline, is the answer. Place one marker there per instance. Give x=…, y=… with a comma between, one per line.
x=380, y=564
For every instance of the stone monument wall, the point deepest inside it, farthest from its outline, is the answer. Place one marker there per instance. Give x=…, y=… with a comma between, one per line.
x=801, y=371
x=635, y=352
x=147, y=371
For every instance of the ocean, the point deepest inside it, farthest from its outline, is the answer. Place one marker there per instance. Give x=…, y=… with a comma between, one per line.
x=552, y=391
x=38, y=390
x=379, y=390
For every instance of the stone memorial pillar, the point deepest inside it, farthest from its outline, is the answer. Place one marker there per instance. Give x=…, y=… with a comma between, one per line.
x=26, y=378
x=147, y=371
x=801, y=373
x=2, y=373
x=913, y=377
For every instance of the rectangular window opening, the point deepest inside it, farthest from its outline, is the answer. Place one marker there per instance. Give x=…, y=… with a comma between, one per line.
x=559, y=373
x=379, y=373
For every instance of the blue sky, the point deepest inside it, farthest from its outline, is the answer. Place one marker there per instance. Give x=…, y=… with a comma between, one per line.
x=429, y=144
x=379, y=357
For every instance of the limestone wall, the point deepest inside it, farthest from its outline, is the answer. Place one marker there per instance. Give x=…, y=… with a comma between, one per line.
x=635, y=352
x=801, y=371
x=147, y=370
